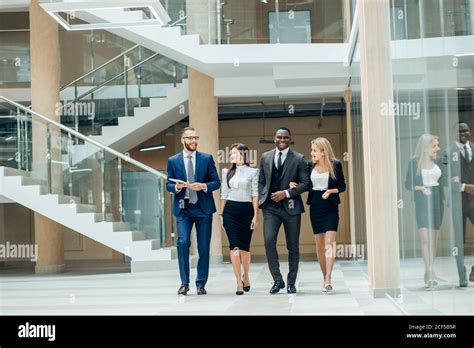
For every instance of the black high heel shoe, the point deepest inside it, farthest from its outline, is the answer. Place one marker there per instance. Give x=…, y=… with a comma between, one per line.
x=239, y=292
x=246, y=288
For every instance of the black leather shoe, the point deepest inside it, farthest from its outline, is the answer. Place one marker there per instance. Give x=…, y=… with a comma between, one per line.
x=201, y=291
x=246, y=288
x=471, y=275
x=291, y=289
x=279, y=284
x=239, y=292
x=183, y=289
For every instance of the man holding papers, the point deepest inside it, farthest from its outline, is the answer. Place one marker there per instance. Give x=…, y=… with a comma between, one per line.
x=192, y=176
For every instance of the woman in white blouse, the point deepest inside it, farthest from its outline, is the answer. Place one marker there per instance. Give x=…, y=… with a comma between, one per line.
x=425, y=178
x=239, y=207
x=327, y=182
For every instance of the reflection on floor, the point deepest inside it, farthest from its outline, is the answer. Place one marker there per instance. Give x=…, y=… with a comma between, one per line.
x=154, y=293
x=446, y=298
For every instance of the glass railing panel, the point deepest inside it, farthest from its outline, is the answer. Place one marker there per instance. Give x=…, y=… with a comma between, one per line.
x=15, y=59
x=265, y=21
x=430, y=19
x=136, y=76
x=97, y=179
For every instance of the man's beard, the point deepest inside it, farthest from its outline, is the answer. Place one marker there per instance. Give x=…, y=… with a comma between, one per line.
x=189, y=148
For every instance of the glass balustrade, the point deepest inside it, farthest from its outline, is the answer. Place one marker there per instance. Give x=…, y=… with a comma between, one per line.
x=91, y=177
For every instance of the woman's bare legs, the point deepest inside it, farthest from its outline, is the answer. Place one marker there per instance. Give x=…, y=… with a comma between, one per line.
x=320, y=247
x=330, y=255
x=245, y=255
x=235, y=259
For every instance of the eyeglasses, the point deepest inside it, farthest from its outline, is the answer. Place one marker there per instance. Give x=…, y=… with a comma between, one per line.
x=191, y=138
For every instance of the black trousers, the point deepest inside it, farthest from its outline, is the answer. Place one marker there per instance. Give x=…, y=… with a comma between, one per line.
x=273, y=216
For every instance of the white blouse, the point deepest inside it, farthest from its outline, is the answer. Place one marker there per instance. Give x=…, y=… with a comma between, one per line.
x=431, y=176
x=243, y=185
x=320, y=180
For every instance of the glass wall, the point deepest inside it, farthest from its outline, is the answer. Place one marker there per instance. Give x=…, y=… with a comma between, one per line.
x=259, y=21
x=432, y=62
x=14, y=50
x=357, y=157
x=414, y=19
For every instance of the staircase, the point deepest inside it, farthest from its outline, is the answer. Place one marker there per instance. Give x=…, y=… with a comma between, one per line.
x=95, y=205
x=146, y=254
x=132, y=111
x=147, y=121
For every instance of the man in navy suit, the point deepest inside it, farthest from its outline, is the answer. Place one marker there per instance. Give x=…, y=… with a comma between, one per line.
x=193, y=204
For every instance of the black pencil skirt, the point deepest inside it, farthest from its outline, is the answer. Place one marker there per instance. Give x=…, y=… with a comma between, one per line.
x=324, y=214
x=429, y=209
x=237, y=220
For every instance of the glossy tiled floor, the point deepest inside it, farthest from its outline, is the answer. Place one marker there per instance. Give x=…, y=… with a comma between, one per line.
x=154, y=293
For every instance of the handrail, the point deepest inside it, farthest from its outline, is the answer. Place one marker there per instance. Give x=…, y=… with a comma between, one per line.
x=99, y=67
x=114, y=78
x=175, y=22
x=86, y=139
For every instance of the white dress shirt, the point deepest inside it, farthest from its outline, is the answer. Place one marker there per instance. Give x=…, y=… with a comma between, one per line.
x=185, y=160
x=284, y=154
x=243, y=184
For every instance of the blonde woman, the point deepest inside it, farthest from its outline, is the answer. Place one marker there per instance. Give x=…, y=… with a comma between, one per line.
x=327, y=182
x=425, y=178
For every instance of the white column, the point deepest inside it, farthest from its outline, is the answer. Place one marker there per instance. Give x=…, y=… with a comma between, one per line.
x=379, y=149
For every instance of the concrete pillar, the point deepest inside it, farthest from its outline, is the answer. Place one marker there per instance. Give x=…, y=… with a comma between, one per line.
x=350, y=150
x=201, y=19
x=203, y=117
x=379, y=149
x=45, y=79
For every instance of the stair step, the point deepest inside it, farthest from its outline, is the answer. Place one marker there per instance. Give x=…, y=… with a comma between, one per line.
x=15, y=172
x=64, y=199
x=121, y=226
x=99, y=217
x=86, y=208
x=26, y=181
x=138, y=235
x=154, y=244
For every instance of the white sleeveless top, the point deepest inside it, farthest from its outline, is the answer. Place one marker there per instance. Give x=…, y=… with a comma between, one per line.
x=431, y=176
x=320, y=181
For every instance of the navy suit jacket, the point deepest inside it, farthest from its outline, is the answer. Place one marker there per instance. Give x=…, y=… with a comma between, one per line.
x=338, y=183
x=205, y=173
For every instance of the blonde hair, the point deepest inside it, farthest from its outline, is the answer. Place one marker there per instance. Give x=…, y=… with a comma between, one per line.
x=325, y=146
x=422, y=150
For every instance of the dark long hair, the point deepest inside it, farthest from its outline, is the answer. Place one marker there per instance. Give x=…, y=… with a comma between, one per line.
x=244, y=151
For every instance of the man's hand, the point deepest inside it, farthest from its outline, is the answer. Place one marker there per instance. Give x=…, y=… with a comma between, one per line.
x=293, y=185
x=469, y=189
x=278, y=196
x=197, y=186
x=180, y=186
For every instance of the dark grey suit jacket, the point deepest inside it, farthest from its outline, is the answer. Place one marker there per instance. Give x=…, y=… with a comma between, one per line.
x=295, y=169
